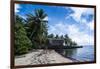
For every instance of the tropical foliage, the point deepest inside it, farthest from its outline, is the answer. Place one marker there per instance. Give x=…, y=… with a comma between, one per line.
x=22, y=42
x=37, y=27
x=66, y=38
x=32, y=32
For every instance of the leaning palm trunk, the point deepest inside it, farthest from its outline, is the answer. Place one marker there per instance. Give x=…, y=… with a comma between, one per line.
x=38, y=26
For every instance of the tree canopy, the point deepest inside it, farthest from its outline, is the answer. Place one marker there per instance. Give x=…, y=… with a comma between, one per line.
x=22, y=42
x=37, y=27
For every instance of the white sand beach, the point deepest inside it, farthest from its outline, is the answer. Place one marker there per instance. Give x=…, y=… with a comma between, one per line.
x=41, y=57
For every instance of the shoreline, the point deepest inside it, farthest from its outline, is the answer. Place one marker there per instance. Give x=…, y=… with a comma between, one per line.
x=41, y=57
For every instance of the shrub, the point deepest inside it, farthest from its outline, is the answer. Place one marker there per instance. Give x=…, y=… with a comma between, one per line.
x=22, y=42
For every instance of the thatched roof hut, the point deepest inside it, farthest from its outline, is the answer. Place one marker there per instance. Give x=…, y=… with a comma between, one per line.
x=56, y=42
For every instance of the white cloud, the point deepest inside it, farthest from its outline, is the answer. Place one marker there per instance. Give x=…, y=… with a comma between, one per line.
x=23, y=16
x=59, y=29
x=73, y=31
x=46, y=18
x=77, y=16
x=88, y=26
x=17, y=7
x=91, y=25
x=79, y=11
x=81, y=37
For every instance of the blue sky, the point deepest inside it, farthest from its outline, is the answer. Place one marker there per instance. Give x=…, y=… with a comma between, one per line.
x=77, y=22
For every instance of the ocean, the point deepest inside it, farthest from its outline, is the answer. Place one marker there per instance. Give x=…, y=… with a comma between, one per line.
x=81, y=54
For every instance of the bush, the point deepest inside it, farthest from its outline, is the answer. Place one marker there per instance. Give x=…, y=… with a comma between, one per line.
x=22, y=42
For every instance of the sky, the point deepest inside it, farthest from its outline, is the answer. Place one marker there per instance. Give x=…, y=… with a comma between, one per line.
x=77, y=22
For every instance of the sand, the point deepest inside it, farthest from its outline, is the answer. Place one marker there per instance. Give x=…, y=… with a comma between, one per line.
x=41, y=57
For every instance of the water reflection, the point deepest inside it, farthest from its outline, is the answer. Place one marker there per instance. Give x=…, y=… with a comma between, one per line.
x=67, y=52
x=81, y=54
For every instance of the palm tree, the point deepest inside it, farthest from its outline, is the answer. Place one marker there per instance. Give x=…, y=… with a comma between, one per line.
x=37, y=26
x=57, y=36
x=67, y=40
x=62, y=37
x=51, y=36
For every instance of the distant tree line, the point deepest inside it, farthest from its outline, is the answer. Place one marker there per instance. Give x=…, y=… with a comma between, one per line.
x=68, y=41
x=32, y=32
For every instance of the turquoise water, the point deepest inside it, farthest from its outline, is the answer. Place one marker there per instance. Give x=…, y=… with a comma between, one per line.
x=81, y=54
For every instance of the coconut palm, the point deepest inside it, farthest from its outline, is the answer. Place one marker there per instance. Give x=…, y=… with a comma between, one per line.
x=69, y=41
x=37, y=26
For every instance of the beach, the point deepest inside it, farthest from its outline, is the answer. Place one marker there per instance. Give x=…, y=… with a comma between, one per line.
x=41, y=57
